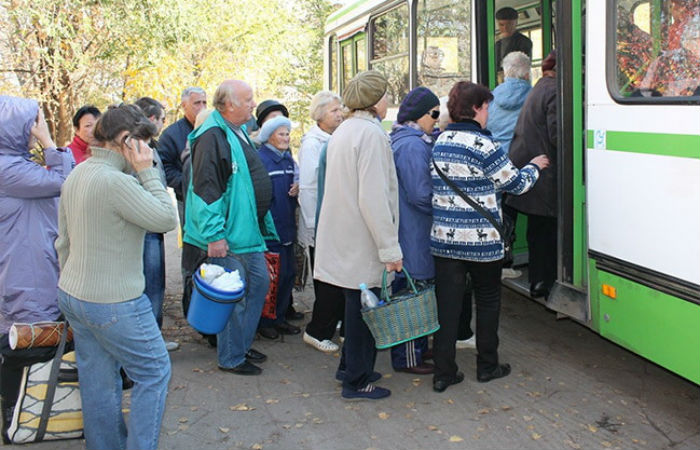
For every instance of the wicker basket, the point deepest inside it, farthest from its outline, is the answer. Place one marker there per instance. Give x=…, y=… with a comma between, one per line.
x=402, y=318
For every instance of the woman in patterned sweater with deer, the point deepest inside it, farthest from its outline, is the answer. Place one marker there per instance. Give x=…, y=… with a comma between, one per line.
x=463, y=241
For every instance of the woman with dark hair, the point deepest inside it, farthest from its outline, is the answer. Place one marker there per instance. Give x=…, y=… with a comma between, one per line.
x=104, y=214
x=463, y=241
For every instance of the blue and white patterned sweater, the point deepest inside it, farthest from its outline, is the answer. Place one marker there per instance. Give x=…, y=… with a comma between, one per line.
x=469, y=157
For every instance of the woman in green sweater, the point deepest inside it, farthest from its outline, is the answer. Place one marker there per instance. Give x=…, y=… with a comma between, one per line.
x=104, y=214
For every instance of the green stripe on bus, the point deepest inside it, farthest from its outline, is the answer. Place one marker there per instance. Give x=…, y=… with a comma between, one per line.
x=680, y=145
x=343, y=11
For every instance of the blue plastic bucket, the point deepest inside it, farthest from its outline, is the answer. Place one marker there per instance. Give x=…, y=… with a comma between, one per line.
x=210, y=308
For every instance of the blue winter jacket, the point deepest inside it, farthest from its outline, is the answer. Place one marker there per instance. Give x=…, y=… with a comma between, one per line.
x=508, y=99
x=280, y=167
x=412, y=158
x=28, y=218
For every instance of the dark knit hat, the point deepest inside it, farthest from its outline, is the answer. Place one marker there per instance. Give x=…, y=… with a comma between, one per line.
x=416, y=104
x=507, y=13
x=266, y=108
x=550, y=61
x=364, y=90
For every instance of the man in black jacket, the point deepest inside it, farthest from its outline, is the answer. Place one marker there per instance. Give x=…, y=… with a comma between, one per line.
x=511, y=40
x=172, y=141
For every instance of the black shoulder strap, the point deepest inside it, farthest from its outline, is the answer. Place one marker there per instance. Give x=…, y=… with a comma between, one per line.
x=51, y=386
x=487, y=215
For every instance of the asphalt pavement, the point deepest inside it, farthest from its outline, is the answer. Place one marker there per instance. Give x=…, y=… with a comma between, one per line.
x=569, y=389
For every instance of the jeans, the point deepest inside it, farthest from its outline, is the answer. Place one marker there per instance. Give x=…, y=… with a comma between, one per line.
x=237, y=337
x=109, y=336
x=154, y=273
x=450, y=286
x=285, y=285
x=359, y=353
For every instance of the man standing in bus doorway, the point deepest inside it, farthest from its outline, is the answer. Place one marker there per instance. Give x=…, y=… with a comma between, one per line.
x=536, y=133
x=511, y=39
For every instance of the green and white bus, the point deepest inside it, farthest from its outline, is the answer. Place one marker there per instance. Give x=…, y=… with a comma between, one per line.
x=629, y=143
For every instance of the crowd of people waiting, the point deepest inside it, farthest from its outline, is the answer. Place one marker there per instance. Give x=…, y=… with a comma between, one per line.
x=369, y=202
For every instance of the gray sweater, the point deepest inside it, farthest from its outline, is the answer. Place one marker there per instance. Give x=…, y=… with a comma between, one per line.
x=103, y=216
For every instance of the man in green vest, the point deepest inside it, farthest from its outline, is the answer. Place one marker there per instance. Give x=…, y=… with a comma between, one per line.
x=228, y=219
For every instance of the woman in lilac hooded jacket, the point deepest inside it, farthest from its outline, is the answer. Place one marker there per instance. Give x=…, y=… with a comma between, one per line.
x=28, y=227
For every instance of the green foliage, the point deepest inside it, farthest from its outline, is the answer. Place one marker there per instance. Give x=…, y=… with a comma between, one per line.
x=71, y=52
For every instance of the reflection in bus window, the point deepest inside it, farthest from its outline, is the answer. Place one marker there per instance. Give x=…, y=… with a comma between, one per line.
x=658, y=48
x=390, y=51
x=443, y=44
x=361, y=52
x=346, y=70
x=333, y=71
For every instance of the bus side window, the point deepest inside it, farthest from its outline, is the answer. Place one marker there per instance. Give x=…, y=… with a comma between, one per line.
x=443, y=41
x=390, y=52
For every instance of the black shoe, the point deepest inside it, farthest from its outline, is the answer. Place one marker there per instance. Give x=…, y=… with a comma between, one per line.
x=539, y=289
x=211, y=339
x=268, y=332
x=499, y=372
x=255, y=356
x=245, y=368
x=422, y=369
x=293, y=314
x=287, y=328
x=442, y=384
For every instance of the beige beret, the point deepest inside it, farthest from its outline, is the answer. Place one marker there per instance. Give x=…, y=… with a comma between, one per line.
x=364, y=90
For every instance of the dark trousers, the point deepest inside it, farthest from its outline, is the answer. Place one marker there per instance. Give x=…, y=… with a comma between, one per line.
x=542, y=248
x=408, y=354
x=329, y=308
x=450, y=286
x=285, y=284
x=359, y=353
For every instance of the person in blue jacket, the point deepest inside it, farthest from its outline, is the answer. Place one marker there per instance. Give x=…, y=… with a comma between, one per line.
x=28, y=228
x=277, y=159
x=412, y=143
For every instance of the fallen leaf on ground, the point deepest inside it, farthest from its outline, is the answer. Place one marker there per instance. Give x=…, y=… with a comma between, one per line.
x=197, y=369
x=416, y=381
x=271, y=401
x=183, y=427
x=183, y=419
x=194, y=408
x=383, y=415
x=455, y=438
x=506, y=408
x=592, y=429
x=432, y=427
x=535, y=436
x=224, y=429
x=286, y=427
x=484, y=411
x=606, y=444
x=257, y=447
x=572, y=444
x=241, y=407
x=527, y=418
x=299, y=425
x=317, y=420
x=450, y=401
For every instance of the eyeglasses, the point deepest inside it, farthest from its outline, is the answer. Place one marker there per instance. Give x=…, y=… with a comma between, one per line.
x=434, y=114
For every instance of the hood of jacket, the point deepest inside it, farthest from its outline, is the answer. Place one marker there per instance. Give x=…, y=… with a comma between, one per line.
x=511, y=93
x=402, y=132
x=17, y=116
x=315, y=133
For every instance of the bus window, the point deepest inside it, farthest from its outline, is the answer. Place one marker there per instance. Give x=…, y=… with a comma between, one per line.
x=346, y=60
x=657, y=48
x=361, y=52
x=333, y=71
x=390, y=51
x=443, y=41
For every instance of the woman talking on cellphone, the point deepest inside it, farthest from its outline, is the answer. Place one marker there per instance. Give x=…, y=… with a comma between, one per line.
x=104, y=213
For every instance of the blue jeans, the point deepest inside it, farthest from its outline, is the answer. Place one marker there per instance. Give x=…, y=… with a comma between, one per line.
x=237, y=337
x=154, y=273
x=109, y=336
x=286, y=283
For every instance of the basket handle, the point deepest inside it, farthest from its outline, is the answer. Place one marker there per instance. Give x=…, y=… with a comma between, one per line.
x=385, y=288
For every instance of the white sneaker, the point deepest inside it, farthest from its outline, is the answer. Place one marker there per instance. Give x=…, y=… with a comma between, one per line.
x=510, y=273
x=171, y=346
x=467, y=343
x=325, y=346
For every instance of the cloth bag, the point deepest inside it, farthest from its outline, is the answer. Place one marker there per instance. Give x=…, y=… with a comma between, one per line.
x=48, y=406
x=272, y=260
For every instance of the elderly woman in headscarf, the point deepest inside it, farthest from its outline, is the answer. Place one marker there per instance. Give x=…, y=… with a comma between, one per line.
x=28, y=226
x=279, y=163
x=327, y=111
x=357, y=236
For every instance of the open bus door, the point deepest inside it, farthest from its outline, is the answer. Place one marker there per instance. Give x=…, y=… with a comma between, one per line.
x=538, y=21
